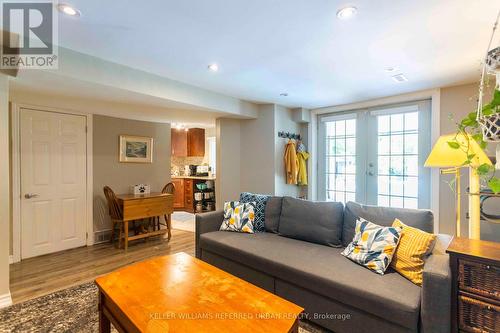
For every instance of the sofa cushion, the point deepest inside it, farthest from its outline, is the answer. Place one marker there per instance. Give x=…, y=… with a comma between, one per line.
x=260, y=201
x=316, y=222
x=323, y=270
x=238, y=217
x=419, y=218
x=373, y=246
x=272, y=214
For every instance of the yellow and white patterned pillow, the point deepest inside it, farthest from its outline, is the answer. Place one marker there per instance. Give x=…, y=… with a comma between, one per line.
x=409, y=257
x=238, y=217
x=373, y=246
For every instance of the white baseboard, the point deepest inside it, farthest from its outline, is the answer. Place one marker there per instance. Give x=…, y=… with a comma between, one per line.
x=11, y=259
x=5, y=300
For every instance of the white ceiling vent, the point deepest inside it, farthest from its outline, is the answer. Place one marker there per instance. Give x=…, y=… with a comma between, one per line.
x=399, y=78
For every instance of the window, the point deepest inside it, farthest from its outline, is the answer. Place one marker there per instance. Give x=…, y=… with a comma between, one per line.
x=376, y=156
x=398, y=160
x=341, y=160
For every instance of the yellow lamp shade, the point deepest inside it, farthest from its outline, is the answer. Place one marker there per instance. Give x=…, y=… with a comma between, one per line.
x=444, y=156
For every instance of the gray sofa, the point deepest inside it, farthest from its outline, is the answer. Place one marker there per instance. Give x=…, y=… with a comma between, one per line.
x=298, y=258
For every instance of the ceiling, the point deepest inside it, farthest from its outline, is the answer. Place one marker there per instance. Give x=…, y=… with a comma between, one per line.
x=264, y=48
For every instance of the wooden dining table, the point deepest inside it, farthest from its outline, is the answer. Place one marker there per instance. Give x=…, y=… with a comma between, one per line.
x=143, y=206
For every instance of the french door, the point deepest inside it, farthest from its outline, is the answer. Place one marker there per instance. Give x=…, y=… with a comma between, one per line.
x=376, y=156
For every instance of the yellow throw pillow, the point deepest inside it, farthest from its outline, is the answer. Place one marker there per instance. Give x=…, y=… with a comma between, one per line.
x=414, y=246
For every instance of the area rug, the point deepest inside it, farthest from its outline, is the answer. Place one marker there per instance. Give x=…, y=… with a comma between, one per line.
x=183, y=221
x=70, y=310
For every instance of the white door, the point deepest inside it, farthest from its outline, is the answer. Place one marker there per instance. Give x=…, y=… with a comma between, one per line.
x=53, y=182
x=376, y=156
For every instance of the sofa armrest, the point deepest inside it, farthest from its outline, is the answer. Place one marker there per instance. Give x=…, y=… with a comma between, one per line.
x=207, y=222
x=435, y=309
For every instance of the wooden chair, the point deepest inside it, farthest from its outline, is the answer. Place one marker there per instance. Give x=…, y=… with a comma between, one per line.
x=115, y=213
x=170, y=189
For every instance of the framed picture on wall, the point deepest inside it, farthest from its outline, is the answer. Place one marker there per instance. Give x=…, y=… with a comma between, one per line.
x=136, y=149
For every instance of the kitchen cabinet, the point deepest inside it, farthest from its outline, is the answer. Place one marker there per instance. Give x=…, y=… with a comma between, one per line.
x=178, y=142
x=178, y=193
x=184, y=195
x=188, y=143
x=196, y=142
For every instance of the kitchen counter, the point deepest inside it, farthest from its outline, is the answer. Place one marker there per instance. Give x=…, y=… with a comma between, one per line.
x=194, y=177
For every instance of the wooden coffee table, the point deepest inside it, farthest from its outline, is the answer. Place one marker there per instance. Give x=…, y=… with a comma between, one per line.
x=179, y=293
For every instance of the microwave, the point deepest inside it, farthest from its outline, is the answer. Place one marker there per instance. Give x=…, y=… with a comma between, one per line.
x=202, y=170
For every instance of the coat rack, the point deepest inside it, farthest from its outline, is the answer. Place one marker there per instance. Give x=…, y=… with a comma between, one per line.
x=288, y=135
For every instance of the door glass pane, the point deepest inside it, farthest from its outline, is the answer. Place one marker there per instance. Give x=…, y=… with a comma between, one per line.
x=398, y=160
x=341, y=160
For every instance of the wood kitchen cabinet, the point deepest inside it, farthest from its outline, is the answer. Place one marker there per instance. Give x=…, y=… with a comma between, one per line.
x=183, y=195
x=188, y=143
x=178, y=193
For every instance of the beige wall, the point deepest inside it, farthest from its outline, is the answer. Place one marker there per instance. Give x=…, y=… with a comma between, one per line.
x=257, y=149
x=4, y=190
x=228, y=160
x=284, y=122
x=253, y=146
x=119, y=176
x=458, y=101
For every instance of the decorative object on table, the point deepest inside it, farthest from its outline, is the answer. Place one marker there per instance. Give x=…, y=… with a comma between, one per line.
x=140, y=189
x=291, y=163
x=482, y=126
x=414, y=246
x=136, y=149
x=443, y=155
x=475, y=293
x=373, y=246
x=238, y=217
x=260, y=208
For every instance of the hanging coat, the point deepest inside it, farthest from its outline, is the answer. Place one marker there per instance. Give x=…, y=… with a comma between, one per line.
x=302, y=158
x=291, y=163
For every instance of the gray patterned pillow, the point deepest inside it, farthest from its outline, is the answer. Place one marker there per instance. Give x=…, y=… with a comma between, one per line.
x=260, y=208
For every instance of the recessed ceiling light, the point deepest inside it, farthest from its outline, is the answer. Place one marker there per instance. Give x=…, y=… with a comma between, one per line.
x=284, y=94
x=213, y=67
x=346, y=12
x=68, y=10
x=399, y=78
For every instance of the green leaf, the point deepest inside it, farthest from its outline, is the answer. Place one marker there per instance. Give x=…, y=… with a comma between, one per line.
x=483, y=145
x=483, y=169
x=468, y=122
x=487, y=110
x=496, y=98
x=471, y=156
x=453, y=144
x=494, y=185
x=472, y=116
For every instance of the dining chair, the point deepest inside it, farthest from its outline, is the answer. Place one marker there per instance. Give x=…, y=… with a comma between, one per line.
x=170, y=189
x=115, y=213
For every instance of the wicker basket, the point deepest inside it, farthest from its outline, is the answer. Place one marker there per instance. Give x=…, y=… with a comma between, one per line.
x=479, y=279
x=477, y=316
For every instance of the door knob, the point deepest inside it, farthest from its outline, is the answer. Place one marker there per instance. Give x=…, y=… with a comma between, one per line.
x=30, y=195
x=370, y=173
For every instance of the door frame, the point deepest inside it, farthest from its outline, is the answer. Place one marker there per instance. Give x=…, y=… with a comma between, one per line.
x=16, y=109
x=312, y=132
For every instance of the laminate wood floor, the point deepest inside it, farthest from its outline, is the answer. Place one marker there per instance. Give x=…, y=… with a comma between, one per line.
x=42, y=275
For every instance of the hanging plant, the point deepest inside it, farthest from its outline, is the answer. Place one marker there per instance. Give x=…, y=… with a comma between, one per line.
x=470, y=128
x=483, y=125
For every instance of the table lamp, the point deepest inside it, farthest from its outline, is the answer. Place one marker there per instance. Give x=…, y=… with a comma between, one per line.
x=443, y=156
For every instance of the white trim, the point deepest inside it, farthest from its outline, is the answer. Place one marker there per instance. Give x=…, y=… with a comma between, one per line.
x=433, y=94
x=346, y=116
x=398, y=109
x=5, y=300
x=16, y=174
x=11, y=259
